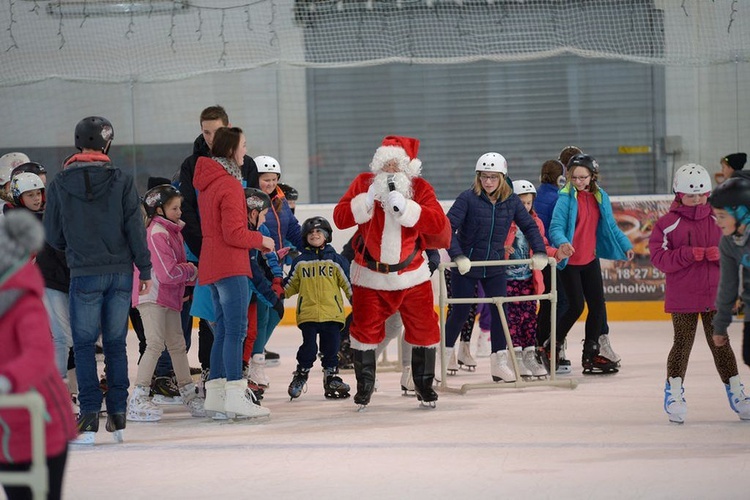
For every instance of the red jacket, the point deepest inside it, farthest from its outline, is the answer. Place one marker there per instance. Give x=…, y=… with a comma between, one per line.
x=27, y=359
x=223, y=213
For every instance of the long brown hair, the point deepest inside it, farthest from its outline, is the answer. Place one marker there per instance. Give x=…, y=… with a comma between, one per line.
x=226, y=141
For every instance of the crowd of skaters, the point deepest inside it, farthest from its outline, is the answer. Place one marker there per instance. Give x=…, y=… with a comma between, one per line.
x=213, y=244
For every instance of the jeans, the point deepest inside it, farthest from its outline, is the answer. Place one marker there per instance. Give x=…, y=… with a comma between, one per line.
x=231, y=297
x=58, y=310
x=100, y=304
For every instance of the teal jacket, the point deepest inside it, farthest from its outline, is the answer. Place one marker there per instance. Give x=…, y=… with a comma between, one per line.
x=611, y=243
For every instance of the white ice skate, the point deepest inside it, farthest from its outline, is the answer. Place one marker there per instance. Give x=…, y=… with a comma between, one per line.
x=531, y=362
x=257, y=371
x=465, y=359
x=523, y=370
x=605, y=349
x=192, y=401
x=407, y=382
x=215, y=398
x=674, y=401
x=141, y=408
x=737, y=399
x=484, y=347
x=499, y=368
x=241, y=400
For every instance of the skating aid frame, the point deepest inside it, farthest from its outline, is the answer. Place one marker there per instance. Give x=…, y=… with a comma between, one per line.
x=444, y=300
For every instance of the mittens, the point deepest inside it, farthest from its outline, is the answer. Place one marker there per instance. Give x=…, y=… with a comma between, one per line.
x=712, y=253
x=698, y=253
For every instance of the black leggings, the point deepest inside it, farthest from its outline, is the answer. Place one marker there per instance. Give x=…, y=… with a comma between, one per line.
x=583, y=283
x=55, y=468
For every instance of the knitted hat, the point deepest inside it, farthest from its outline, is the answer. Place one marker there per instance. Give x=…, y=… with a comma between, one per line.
x=402, y=149
x=736, y=160
x=21, y=234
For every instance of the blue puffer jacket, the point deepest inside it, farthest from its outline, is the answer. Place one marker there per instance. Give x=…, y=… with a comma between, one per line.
x=481, y=227
x=611, y=243
x=544, y=203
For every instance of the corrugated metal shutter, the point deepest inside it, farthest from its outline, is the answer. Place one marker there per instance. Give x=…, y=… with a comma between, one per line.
x=527, y=111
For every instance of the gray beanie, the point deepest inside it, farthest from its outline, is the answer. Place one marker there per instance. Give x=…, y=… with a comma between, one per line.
x=21, y=234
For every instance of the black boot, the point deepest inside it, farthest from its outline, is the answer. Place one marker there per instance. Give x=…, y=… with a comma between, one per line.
x=116, y=424
x=364, y=369
x=88, y=422
x=423, y=372
x=546, y=354
x=595, y=364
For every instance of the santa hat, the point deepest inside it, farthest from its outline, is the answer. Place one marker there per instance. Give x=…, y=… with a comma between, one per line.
x=403, y=149
x=736, y=160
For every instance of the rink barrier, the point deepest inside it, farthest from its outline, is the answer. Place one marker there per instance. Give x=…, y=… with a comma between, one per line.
x=444, y=300
x=36, y=476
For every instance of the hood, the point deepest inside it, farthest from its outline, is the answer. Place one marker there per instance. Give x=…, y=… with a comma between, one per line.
x=697, y=212
x=87, y=181
x=26, y=279
x=200, y=147
x=207, y=171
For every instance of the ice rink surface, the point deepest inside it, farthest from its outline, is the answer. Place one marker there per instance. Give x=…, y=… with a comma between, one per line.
x=607, y=438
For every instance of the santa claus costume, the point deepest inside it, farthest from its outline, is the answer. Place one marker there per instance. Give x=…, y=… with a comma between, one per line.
x=395, y=211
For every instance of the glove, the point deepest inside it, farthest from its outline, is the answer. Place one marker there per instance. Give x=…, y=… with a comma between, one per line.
x=539, y=261
x=4, y=385
x=279, y=308
x=277, y=288
x=396, y=201
x=282, y=252
x=432, y=266
x=463, y=263
x=370, y=200
x=712, y=253
x=698, y=253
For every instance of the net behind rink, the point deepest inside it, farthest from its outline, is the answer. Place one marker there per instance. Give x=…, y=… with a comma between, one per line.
x=158, y=40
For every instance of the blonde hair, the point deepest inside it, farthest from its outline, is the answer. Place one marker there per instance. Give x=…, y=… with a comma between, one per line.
x=502, y=193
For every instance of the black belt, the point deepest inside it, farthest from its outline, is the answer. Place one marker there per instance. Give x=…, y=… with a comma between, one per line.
x=382, y=267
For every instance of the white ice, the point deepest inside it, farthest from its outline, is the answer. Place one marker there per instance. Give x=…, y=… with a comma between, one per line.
x=608, y=438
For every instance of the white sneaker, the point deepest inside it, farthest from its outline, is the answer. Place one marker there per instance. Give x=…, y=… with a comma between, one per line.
x=674, y=402
x=499, y=367
x=737, y=399
x=531, y=362
x=192, y=401
x=605, y=349
x=523, y=371
x=465, y=359
x=141, y=408
x=484, y=346
x=241, y=400
x=257, y=371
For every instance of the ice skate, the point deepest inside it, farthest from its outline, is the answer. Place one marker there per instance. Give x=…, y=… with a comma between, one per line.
x=523, y=370
x=423, y=375
x=257, y=371
x=251, y=384
x=563, y=363
x=116, y=425
x=202, y=383
x=364, y=369
x=87, y=425
x=215, y=398
x=334, y=387
x=192, y=401
x=141, y=408
x=465, y=359
x=449, y=357
x=407, y=382
x=484, y=347
x=594, y=363
x=737, y=399
x=241, y=401
x=674, y=401
x=531, y=362
x=605, y=349
x=499, y=367
x=272, y=358
x=298, y=385
x=165, y=392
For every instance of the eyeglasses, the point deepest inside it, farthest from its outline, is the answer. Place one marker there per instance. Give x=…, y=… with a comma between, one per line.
x=493, y=178
x=576, y=178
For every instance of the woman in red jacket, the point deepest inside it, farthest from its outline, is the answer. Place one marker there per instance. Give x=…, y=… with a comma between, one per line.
x=27, y=358
x=225, y=267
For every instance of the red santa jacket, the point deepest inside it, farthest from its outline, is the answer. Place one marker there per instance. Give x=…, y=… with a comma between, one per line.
x=387, y=238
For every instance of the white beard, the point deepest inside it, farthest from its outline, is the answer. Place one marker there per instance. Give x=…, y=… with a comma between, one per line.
x=401, y=182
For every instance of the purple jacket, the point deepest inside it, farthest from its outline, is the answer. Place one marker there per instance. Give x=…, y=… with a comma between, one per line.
x=691, y=286
x=171, y=271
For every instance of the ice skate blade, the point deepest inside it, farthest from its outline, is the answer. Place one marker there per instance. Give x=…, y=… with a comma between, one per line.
x=216, y=415
x=84, y=439
x=677, y=419
x=468, y=368
x=600, y=372
x=498, y=379
x=452, y=372
x=361, y=408
x=408, y=393
x=342, y=395
x=430, y=405
x=563, y=370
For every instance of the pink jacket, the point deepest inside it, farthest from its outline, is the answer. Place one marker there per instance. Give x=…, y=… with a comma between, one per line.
x=691, y=285
x=27, y=360
x=551, y=251
x=170, y=269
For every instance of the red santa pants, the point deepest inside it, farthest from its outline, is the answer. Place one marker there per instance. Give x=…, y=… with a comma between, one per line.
x=370, y=309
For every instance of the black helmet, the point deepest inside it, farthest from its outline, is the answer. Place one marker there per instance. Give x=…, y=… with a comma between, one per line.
x=257, y=199
x=158, y=196
x=733, y=192
x=317, y=222
x=583, y=160
x=94, y=132
x=289, y=192
x=31, y=167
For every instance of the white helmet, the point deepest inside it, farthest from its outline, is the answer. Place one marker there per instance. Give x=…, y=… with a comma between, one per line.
x=267, y=164
x=492, y=162
x=691, y=179
x=23, y=182
x=8, y=162
x=523, y=187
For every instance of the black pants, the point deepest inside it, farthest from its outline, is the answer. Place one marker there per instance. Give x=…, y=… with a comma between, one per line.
x=55, y=468
x=583, y=283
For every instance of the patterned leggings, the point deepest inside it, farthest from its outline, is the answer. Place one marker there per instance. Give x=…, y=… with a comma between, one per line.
x=522, y=319
x=685, y=326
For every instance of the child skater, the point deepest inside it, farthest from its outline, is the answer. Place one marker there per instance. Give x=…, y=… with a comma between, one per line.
x=27, y=360
x=27, y=191
x=522, y=280
x=318, y=275
x=684, y=246
x=160, y=308
x=731, y=203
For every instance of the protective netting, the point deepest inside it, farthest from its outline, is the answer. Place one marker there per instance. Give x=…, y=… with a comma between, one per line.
x=157, y=40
